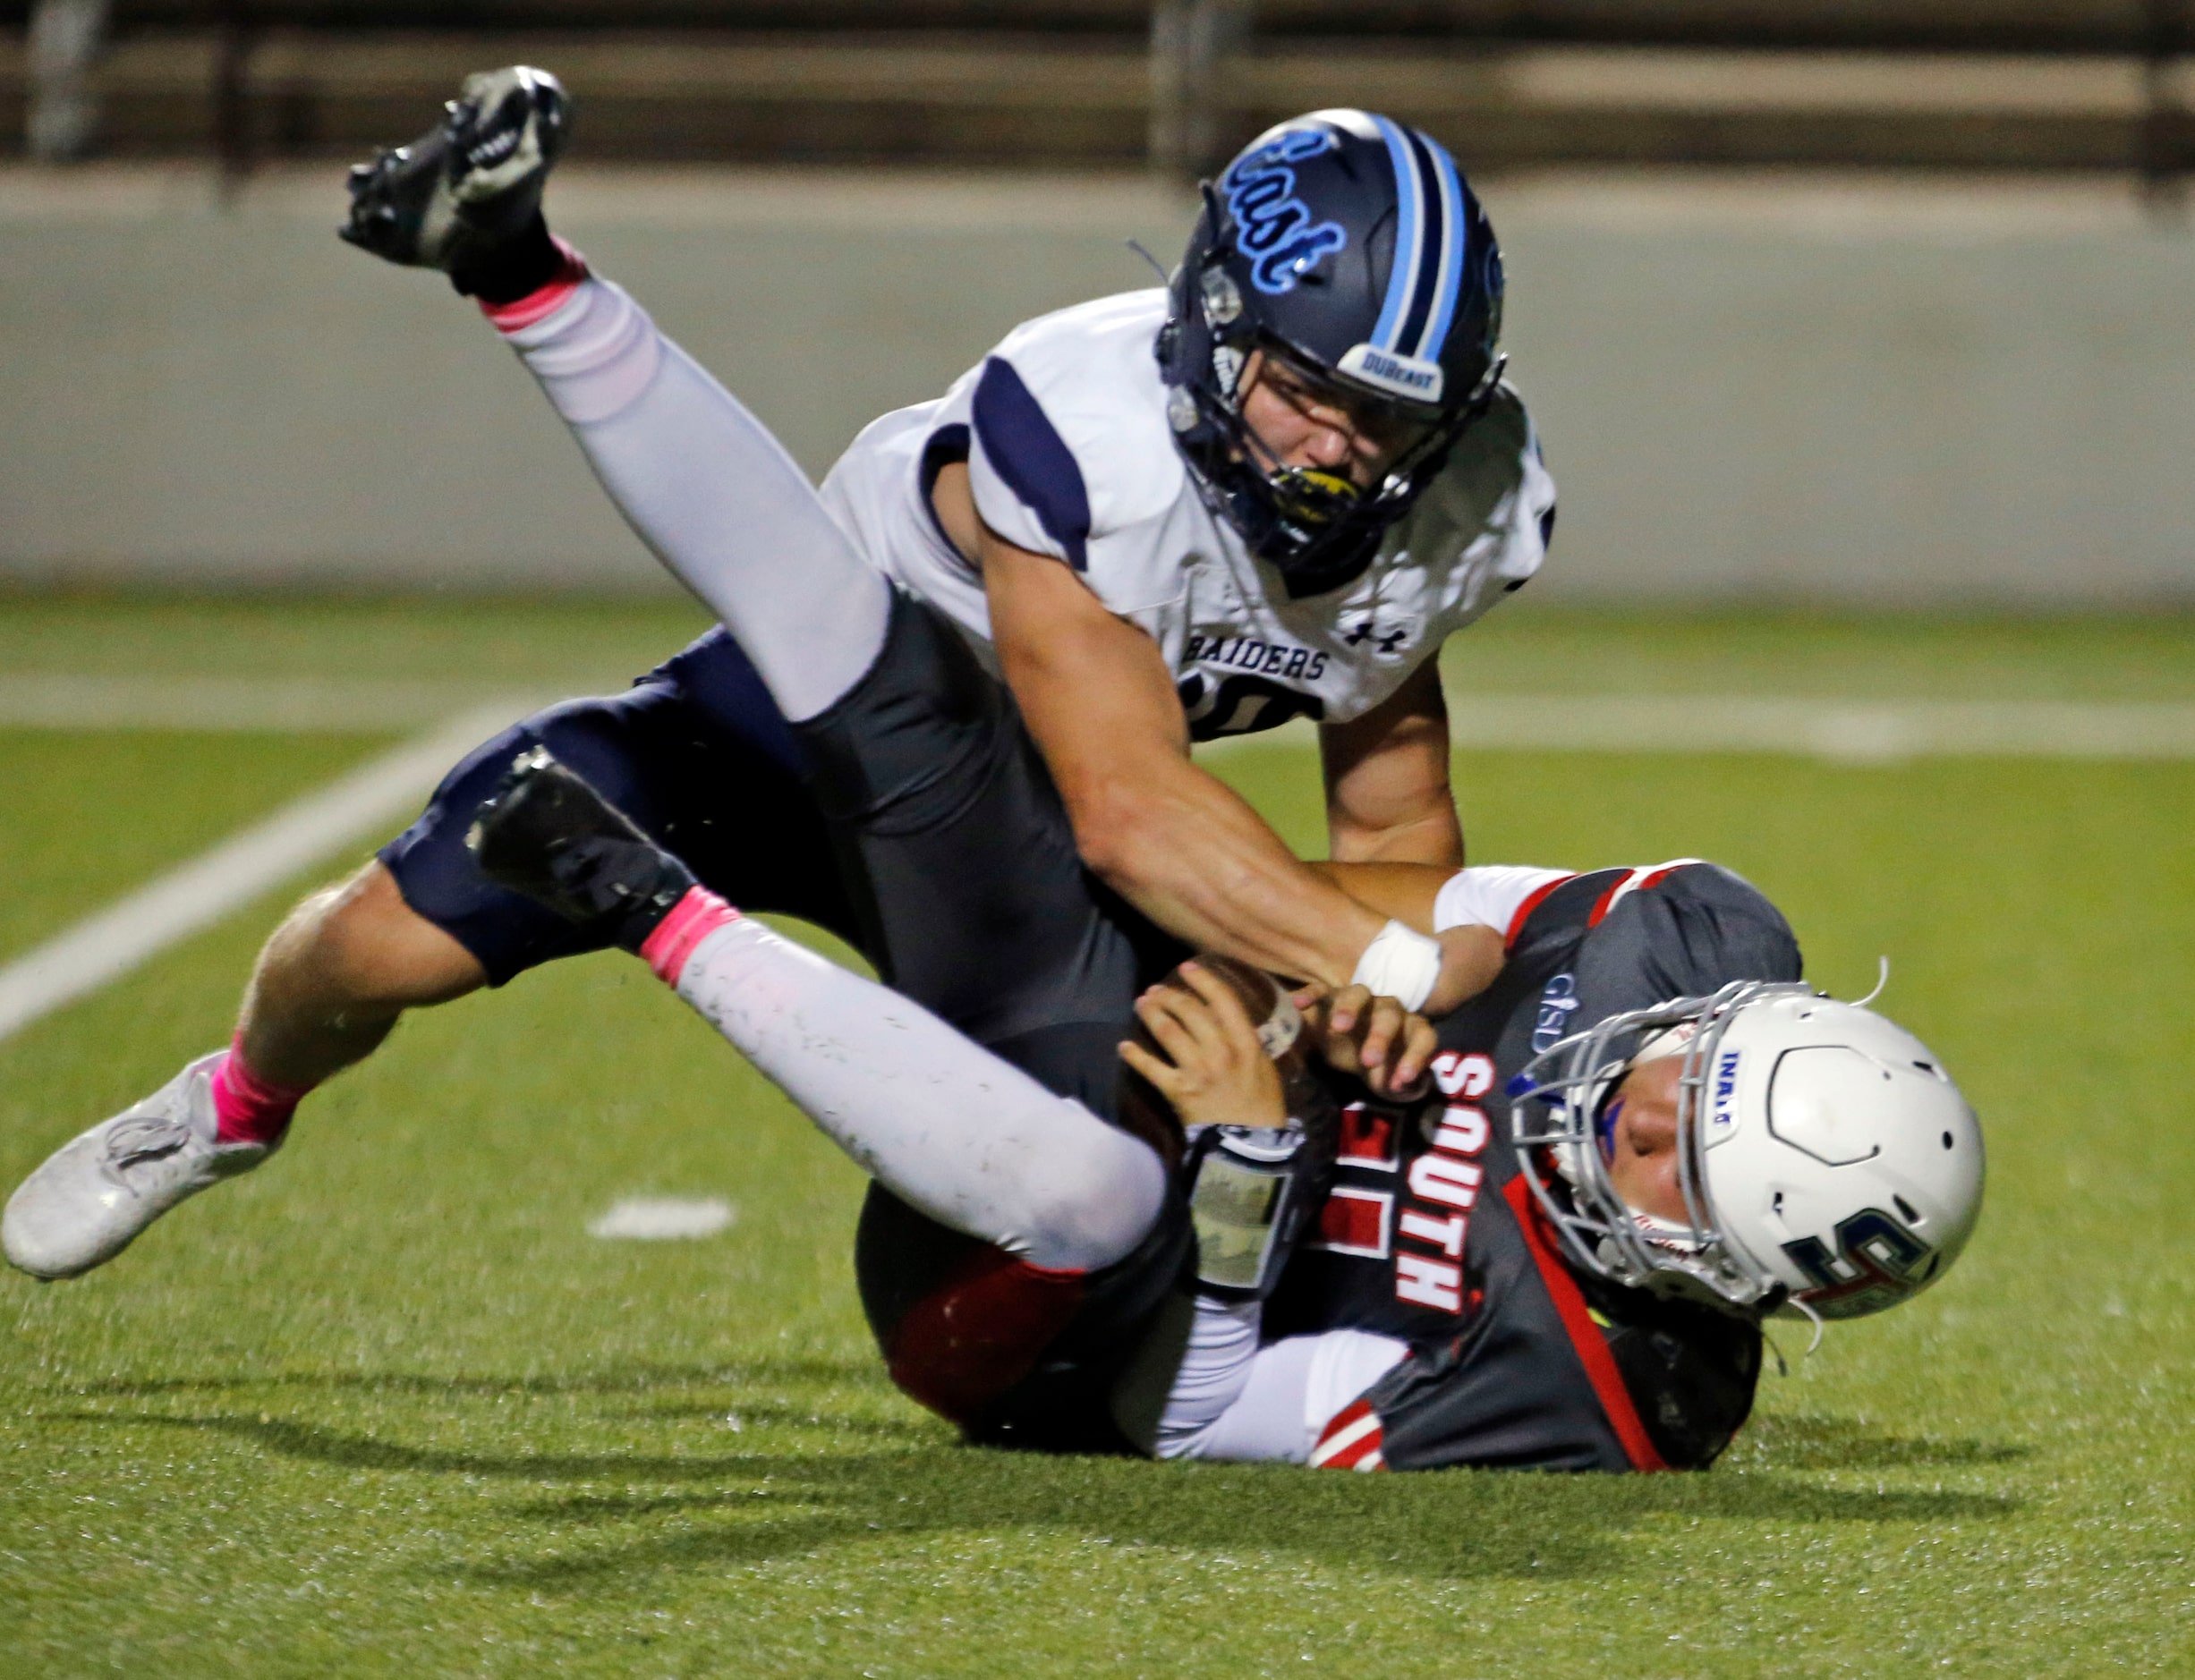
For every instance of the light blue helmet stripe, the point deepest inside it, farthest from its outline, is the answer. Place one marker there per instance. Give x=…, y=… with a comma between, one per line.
x=1409, y=230
x=1455, y=237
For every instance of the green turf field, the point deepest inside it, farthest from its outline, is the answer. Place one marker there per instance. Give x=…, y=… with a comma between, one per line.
x=386, y=1408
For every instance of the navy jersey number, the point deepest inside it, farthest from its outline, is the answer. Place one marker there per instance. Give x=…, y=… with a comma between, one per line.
x=1242, y=705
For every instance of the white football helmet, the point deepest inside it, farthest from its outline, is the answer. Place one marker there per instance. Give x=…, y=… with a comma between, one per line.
x=1826, y=1159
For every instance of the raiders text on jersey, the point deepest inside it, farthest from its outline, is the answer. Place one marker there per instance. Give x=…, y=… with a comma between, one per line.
x=1063, y=429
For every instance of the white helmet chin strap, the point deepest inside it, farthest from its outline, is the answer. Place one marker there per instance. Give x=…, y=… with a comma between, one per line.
x=1881, y=980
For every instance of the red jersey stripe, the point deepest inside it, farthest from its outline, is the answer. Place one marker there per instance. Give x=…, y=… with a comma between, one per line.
x=1524, y=910
x=1636, y=881
x=1585, y=1335
x=1351, y=1437
x=1615, y=889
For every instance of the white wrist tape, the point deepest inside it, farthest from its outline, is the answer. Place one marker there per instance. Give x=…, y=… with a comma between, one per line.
x=1401, y=963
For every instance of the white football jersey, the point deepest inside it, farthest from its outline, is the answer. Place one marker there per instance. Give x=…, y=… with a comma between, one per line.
x=1064, y=430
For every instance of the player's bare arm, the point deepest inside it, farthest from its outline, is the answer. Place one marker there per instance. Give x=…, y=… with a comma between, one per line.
x=1177, y=842
x=1472, y=954
x=1471, y=925
x=1388, y=795
x=1173, y=840
x=1407, y=891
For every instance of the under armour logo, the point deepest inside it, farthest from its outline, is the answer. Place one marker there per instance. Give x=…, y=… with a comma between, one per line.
x=1365, y=630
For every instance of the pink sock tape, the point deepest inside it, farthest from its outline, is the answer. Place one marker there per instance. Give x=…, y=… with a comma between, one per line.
x=693, y=919
x=247, y=1107
x=539, y=306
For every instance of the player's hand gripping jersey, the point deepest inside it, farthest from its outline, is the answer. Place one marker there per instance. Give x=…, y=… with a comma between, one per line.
x=1064, y=430
x=1508, y=1356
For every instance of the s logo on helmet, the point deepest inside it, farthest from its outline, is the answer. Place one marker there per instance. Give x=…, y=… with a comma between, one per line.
x=1878, y=1263
x=1273, y=228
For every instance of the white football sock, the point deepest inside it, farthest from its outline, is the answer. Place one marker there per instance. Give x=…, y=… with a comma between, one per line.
x=940, y=1122
x=712, y=493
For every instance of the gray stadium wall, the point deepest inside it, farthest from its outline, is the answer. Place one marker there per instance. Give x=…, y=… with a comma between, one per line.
x=1849, y=392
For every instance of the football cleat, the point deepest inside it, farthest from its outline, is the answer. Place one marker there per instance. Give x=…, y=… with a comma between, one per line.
x=468, y=191
x=545, y=832
x=96, y=1193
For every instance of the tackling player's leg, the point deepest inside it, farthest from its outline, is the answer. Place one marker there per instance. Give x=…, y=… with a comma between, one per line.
x=1049, y=1196
x=695, y=752
x=740, y=524
x=328, y=987
x=331, y=982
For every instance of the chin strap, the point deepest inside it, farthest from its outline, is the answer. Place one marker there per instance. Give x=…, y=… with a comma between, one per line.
x=1784, y=1367
x=1881, y=980
x=1815, y=1319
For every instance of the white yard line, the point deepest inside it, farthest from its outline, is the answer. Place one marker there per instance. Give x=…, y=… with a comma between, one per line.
x=1849, y=730
x=1860, y=731
x=118, y=939
x=221, y=704
x=108, y=945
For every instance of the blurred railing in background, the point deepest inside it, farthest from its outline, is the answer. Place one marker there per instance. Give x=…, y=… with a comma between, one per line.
x=1993, y=84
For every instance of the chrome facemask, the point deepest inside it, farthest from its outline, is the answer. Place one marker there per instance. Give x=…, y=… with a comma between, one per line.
x=1556, y=1107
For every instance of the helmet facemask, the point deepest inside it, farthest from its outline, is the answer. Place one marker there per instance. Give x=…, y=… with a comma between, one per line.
x=1560, y=1107
x=1318, y=528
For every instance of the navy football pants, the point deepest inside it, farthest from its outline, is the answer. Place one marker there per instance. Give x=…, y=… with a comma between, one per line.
x=914, y=818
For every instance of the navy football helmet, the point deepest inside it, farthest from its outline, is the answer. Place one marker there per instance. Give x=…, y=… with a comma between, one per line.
x=1350, y=249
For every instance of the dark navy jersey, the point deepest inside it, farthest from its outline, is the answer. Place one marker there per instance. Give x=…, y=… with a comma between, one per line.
x=1430, y=1233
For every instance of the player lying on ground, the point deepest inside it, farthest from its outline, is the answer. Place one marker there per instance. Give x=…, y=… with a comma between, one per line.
x=1557, y=1256
x=1284, y=517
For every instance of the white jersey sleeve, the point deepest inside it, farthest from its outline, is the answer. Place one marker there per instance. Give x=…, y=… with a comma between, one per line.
x=1491, y=896
x=1068, y=453
x=1489, y=516
x=1233, y=1398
